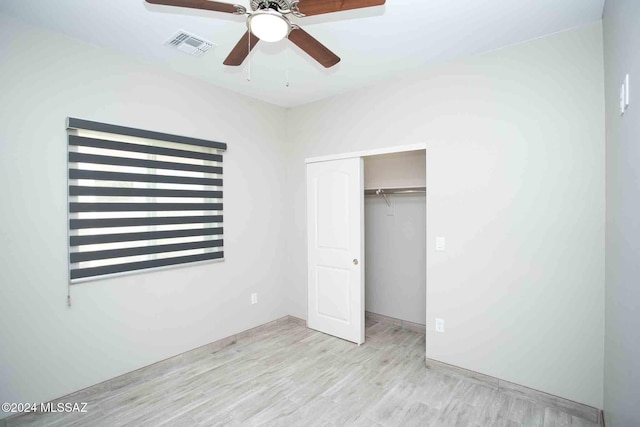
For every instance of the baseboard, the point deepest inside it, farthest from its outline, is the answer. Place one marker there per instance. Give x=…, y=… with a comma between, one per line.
x=297, y=320
x=574, y=408
x=392, y=321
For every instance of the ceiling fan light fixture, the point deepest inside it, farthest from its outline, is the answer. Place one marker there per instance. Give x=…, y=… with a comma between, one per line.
x=268, y=25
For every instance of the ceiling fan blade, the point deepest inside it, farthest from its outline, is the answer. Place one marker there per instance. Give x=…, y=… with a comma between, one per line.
x=241, y=50
x=216, y=6
x=313, y=47
x=317, y=7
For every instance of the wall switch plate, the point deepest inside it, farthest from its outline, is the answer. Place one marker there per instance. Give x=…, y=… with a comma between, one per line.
x=254, y=298
x=440, y=243
x=439, y=325
x=624, y=95
x=626, y=92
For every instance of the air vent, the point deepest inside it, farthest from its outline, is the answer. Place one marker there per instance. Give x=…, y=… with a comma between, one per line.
x=189, y=43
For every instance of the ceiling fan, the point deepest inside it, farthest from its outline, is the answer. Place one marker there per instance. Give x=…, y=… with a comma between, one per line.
x=267, y=21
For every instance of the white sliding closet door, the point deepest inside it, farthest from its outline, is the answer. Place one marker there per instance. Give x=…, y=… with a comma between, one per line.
x=335, y=227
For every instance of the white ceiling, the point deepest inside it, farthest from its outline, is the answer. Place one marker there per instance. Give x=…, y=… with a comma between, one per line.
x=375, y=44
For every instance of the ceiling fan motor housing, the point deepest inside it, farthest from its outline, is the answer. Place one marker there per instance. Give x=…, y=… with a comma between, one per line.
x=277, y=5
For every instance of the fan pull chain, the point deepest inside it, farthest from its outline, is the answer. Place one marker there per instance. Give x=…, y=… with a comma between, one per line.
x=249, y=56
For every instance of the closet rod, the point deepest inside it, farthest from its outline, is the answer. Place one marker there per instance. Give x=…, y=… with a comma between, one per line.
x=404, y=190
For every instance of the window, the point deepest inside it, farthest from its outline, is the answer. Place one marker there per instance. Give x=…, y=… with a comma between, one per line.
x=140, y=200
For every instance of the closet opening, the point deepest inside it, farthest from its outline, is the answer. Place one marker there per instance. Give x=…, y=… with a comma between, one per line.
x=395, y=242
x=366, y=242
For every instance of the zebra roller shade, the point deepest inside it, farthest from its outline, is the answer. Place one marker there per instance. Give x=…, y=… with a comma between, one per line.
x=141, y=200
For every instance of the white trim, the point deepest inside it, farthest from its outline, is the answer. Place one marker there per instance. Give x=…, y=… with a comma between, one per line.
x=372, y=152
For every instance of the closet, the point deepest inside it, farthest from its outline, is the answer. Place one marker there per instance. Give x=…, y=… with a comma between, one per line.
x=366, y=253
x=395, y=238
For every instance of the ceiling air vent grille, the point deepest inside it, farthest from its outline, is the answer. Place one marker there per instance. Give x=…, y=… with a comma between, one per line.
x=189, y=43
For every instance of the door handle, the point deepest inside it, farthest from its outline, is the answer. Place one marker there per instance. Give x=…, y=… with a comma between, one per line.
x=355, y=261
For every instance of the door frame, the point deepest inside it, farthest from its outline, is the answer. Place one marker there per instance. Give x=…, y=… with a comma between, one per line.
x=367, y=153
x=376, y=152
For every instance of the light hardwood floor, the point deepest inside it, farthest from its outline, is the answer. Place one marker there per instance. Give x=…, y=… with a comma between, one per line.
x=283, y=374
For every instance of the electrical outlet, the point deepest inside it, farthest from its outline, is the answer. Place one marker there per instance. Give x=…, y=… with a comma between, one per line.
x=254, y=298
x=439, y=325
x=440, y=243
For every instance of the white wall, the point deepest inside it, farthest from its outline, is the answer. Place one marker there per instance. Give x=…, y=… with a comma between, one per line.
x=515, y=166
x=622, y=346
x=395, y=256
x=117, y=325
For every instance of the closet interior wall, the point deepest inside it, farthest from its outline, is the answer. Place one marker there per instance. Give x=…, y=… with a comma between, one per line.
x=395, y=235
